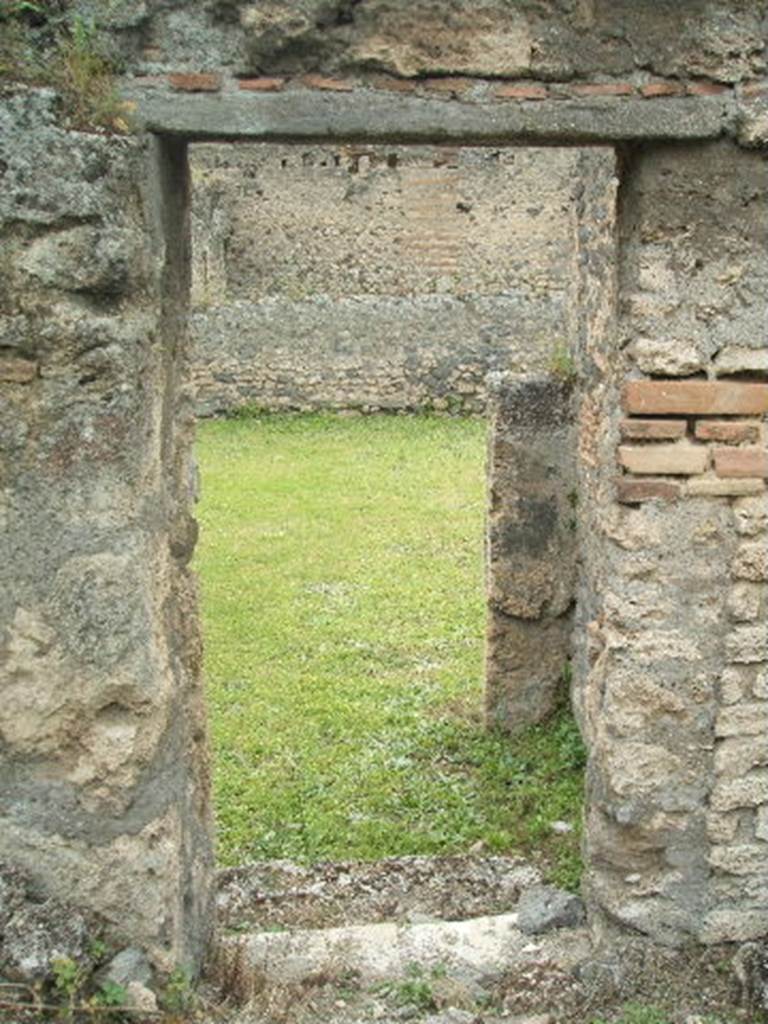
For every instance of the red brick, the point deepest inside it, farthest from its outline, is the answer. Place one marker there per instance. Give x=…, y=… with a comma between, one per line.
x=695, y=397
x=195, y=82
x=452, y=86
x=148, y=81
x=706, y=88
x=741, y=462
x=261, y=84
x=604, y=89
x=727, y=431
x=516, y=91
x=17, y=371
x=632, y=492
x=653, y=89
x=677, y=459
x=395, y=84
x=327, y=84
x=653, y=430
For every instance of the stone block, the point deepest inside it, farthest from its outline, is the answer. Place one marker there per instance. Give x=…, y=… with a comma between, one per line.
x=751, y=516
x=747, y=645
x=740, y=859
x=748, y=791
x=751, y=562
x=737, y=755
x=761, y=823
x=742, y=720
x=744, y=602
x=722, y=828
x=732, y=685
x=734, y=359
x=695, y=398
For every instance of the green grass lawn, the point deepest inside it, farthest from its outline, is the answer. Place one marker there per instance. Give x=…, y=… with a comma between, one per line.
x=341, y=562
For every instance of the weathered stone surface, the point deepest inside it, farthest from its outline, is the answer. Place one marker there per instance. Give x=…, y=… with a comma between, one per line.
x=749, y=791
x=426, y=37
x=543, y=907
x=681, y=288
x=34, y=930
x=744, y=602
x=375, y=117
x=737, y=756
x=751, y=516
x=531, y=548
x=748, y=645
x=741, y=859
x=737, y=359
x=751, y=562
x=103, y=773
x=126, y=967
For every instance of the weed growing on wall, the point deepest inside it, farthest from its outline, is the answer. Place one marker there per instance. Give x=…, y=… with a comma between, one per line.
x=51, y=45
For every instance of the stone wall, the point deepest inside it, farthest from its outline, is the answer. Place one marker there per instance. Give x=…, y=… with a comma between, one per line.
x=377, y=277
x=103, y=779
x=671, y=638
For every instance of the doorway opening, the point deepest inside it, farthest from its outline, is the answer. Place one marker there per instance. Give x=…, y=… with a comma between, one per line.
x=341, y=555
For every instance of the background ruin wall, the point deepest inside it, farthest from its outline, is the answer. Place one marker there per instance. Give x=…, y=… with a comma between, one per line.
x=377, y=277
x=104, y=784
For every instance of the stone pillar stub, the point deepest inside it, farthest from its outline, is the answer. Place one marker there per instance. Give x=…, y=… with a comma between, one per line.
x=531, y=547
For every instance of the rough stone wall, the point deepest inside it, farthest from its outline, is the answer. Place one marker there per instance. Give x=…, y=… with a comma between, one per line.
x=377, y=277
x=103, y=774
x=673, y=644
x=562, y=40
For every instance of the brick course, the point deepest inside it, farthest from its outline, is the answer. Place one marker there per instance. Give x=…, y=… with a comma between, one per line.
x=681, y=459
x=721, y=398
x=653, y=430
x=727, y=431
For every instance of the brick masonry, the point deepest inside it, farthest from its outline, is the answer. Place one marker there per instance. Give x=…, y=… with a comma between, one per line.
x=689, y=449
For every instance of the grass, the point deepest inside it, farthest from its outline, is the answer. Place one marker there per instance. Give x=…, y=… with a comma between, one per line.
x=341, y=562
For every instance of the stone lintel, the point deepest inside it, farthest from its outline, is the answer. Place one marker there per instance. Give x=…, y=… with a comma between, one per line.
x=369, y=115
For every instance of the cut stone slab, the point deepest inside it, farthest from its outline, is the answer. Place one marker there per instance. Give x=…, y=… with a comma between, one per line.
x=485, y=947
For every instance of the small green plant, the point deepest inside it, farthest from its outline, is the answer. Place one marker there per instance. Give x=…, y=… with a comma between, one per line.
x=68, y=980
x=638, y=1013
x=178, y=997
x=415, y=989
x=41, y=45
x=562, y=363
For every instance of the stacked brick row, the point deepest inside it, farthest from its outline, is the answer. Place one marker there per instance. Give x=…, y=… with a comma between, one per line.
x=737, y=822
x=693, y=439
